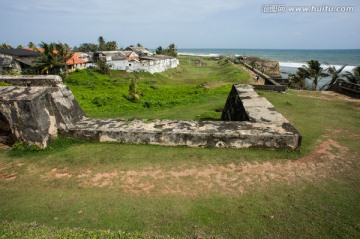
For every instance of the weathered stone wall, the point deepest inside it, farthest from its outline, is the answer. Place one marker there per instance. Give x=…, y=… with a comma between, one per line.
x=347, y=88
x=278, y=88
x=265, y=128
x=36, y=114
x=32, y=80
x=258, y=110
x=269, y=67
x=188, y=133
x=8, y=62
x=234, y=109
x=270, y=84
x=6, y=136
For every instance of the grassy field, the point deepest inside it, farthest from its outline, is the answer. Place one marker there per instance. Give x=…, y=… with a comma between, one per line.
x=197, y=85
x=84, y=189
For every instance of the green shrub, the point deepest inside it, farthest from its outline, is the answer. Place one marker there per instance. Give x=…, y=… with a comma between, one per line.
x=21, y=147
x=103, y=67
x=133, y=96
x=4, y=84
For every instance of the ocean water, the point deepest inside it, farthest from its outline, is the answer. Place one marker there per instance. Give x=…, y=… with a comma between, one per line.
x=289, y=60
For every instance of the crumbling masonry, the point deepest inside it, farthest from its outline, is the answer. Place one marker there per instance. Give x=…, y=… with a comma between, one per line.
x=35, y=109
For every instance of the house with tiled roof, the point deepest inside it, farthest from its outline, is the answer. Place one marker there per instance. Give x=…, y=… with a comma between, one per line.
x=21, y=59
x=79, y=60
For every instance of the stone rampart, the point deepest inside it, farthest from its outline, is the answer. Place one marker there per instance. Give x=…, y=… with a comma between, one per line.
x=32, y=80
x=36, y=114
x=251, y=122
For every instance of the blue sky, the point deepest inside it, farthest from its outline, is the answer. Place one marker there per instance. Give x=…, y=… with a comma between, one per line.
x=187, y=23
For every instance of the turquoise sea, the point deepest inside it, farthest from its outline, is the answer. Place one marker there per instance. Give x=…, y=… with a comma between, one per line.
x=289, y=60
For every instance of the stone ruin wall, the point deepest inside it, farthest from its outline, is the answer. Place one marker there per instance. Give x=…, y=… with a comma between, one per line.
x=36, y=108
x=269, y=67
x=40, y=107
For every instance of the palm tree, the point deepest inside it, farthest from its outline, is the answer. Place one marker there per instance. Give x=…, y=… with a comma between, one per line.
x=53, y=58
x=171, y=50
x=5, y=46
x=102, y=42
x=314, y=72
x=159, y=50
x=63, y=55
x=335, y=76
x=31, y=45
x=48, y=61
x=354, y=76
x=297, y=80
x=111, y=45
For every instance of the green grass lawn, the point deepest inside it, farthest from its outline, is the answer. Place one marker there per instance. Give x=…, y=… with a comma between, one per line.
x=200, y=89
x=84, y=189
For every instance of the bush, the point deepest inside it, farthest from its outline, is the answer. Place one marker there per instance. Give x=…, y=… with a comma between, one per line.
x=4, y=84
x=21, y=147
x=10, y=72
x=133, y=96
x=103, y=67
x=100, y=101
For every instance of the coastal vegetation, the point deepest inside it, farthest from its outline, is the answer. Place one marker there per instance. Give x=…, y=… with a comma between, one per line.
x=335, y=75
x=53, y=58
x=354, y=76
x=102, y=45
x=314, y=72
x=85, y=189
x=171, y=50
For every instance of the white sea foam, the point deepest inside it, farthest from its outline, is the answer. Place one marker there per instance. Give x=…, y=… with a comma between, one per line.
x=298, y=64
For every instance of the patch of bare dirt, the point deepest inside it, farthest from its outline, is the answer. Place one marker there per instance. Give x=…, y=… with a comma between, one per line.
x=328, y=95
x=7, y=173
x=58, y=173
x=328, y=158
x=97, y=180
x=328, y=149
x=340, y=96
x=228, y=179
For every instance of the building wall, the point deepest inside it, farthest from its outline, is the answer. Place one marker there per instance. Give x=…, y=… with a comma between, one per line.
x=80, y=66
x=7, y=62
x=147, y=66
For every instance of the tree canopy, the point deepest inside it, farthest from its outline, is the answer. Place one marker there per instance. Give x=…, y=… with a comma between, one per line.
x=53, y=58
x=171, y=50
x=354, y=76
x=102, y=45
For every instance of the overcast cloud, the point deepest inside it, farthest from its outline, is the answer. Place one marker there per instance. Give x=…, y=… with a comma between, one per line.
x=187, y=23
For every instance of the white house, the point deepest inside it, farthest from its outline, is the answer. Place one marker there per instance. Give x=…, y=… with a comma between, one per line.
x=137, y=59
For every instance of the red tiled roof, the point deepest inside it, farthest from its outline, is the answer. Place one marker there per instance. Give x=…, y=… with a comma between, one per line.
x=75, y=60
